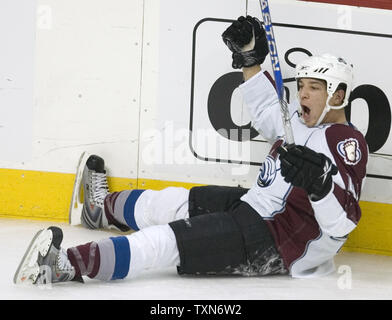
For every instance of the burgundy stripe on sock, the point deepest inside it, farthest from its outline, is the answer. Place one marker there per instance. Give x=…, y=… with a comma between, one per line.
x=109, y=203
x=85, y=259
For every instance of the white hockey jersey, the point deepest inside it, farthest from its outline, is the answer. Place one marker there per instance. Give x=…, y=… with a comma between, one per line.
x=307, y=234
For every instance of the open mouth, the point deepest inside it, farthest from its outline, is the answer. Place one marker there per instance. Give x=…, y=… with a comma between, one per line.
x=305, y=110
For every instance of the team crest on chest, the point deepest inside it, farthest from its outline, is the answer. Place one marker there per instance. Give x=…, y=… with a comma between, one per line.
x=267, y=172
x=349, y=150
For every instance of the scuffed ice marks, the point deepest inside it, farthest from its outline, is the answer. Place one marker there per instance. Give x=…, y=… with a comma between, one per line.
x=267, y=262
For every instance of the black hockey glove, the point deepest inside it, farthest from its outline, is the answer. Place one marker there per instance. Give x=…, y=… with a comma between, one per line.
x=307, y=169
x=239, y=34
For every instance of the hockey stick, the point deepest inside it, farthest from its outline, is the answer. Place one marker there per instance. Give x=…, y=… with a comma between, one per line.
x=277, y=70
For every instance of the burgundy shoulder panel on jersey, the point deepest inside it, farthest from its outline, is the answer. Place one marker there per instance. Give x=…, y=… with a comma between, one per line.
x=350, y=151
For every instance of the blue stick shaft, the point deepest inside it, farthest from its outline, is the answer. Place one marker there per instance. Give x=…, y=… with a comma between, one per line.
x=272, y=47
x=277, y=70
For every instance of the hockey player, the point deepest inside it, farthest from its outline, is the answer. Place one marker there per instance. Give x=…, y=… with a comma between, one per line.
x=293, y=220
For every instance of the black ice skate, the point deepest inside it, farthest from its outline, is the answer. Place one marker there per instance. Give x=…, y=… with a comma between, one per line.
x=44, y=260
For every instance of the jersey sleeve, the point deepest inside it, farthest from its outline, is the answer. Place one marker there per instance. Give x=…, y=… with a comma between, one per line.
x=339, y=212
x=262, y=102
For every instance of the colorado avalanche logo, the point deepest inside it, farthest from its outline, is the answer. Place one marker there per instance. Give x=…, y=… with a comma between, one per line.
x=267, y=172
x=349, y=150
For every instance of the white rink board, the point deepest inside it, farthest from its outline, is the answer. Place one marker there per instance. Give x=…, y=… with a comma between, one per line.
x=16, y=78
x=87, y=71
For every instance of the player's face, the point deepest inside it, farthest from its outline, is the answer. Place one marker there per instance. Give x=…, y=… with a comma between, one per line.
x=312, y=94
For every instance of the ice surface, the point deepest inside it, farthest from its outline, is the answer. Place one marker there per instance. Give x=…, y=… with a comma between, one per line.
x=358, y=276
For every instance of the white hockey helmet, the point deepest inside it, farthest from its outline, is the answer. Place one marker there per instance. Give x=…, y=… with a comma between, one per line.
x=334, y=70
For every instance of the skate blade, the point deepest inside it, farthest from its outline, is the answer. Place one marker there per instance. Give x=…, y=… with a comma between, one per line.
x=75, y=211
x=28, y=269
